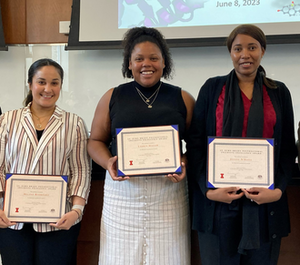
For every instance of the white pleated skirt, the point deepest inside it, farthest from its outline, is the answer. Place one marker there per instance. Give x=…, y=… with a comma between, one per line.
x=145, y=220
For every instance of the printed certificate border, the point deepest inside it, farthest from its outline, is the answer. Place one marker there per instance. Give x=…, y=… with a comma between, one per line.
x=212, y=181
x=13, y=179
x=122, y=169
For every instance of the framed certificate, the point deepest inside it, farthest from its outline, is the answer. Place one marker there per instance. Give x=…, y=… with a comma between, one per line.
x=240, y=162
x=35, y=198
x=148, y=150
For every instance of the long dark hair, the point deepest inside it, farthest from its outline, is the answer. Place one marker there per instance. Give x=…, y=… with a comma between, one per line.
x=35, y=67
x=138, y=35
x=256, y=33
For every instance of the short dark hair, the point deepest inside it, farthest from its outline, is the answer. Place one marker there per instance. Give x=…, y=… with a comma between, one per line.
x=35, y=67
x=138, y=35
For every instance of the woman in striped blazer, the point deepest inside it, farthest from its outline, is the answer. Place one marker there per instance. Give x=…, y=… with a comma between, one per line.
x=43, y=139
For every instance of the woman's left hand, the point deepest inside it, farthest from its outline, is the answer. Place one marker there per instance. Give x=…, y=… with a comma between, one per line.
x=262, y=195
x=66, y=221
x=178, y=177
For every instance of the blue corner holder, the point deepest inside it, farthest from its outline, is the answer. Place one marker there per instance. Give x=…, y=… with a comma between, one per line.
x=175, y=127
x=210, y=139
x=209, y=185
x=8, y=175
x=65, y=178
x=178, y=170
x=118, y=130
x=271, y=141
x=120, y=173
x=271, y=187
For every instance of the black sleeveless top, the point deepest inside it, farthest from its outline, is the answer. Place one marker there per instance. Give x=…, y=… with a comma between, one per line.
x=128, y=110
x=39, y=134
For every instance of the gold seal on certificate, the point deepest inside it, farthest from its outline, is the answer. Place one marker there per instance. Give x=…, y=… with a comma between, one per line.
x=148, y=150
x=240, y=162
x=35, y=198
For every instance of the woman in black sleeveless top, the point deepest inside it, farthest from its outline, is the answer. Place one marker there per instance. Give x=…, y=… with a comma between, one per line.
x=145, y=219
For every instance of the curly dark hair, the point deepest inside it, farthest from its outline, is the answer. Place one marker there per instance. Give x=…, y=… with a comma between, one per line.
x=138, y=35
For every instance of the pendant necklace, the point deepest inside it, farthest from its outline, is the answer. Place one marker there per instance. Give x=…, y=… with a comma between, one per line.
x=39, y=122
x=147, y=100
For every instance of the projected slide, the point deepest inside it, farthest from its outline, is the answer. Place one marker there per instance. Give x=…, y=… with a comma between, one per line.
x=178, y=13
x=185, y=19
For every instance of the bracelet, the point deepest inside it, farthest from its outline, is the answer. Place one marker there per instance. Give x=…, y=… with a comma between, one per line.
x=73, y=210
x=77, y=206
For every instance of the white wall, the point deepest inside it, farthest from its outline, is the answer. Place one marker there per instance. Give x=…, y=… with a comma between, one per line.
x=89, y=74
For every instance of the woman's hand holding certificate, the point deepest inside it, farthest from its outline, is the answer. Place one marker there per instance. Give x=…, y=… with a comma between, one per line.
x=262, y=195
x=226, y=195
x=67, y=220
x=178, y=177
x=4, y=221
x=112, y=169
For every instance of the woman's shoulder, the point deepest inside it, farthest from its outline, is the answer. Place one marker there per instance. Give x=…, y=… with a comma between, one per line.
x=66, y=115
x=213, y=85
x=15, y=112
x=119, y=90
x=216, y=80
x=281, y=88
x=280, y=85
x=12, y=117
x=123, y=86
x=170, y=86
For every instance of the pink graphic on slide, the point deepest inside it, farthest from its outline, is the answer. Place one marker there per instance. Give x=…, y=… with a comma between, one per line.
x=169, y=13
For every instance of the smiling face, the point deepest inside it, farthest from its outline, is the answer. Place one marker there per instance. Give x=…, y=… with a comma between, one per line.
x=146, y=63
x=45, y=88
x=246, y=54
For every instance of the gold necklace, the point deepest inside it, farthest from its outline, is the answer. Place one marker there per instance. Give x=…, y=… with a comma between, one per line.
x=39, y=123
x=147, y=100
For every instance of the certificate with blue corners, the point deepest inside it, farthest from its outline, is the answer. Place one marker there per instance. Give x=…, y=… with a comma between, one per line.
x=35, y=198
x=240, y=162
x=151, y=150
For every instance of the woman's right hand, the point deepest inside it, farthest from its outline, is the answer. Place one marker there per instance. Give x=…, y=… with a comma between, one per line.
x=4, y=222
x=112, y=169
x=226, y=195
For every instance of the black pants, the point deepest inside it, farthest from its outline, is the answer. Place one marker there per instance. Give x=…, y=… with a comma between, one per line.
x=221, y=248
x=212, y=255
x=27, y=247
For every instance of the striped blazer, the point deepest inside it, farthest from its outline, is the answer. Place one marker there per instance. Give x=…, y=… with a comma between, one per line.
x=62, y=150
